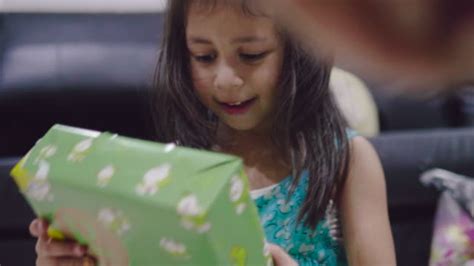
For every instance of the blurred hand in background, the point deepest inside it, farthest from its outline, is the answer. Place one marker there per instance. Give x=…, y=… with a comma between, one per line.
x=410, y=44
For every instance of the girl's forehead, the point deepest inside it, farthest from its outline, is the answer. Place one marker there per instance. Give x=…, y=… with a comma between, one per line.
x=247, y=7
x=226, y=19
x=204, y=8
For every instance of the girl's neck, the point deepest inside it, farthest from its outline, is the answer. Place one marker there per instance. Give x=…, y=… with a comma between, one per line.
x=264, y=162
x=243, y=143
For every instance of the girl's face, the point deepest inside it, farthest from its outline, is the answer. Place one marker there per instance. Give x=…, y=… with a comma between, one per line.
x=235, y=62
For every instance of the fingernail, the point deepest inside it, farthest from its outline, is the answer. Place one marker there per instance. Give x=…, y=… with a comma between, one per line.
x=36, y=226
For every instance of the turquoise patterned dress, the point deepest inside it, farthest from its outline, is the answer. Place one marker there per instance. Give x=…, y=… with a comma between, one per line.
x=322, y=246
x=279, y=220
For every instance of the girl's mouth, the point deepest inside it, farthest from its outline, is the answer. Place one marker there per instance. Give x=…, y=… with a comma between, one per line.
x=237, y=107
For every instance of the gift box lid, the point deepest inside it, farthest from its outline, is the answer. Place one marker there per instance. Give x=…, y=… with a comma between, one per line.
x=107, y=163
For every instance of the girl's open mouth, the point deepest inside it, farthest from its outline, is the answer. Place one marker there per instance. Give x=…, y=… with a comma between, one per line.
x=238, y=107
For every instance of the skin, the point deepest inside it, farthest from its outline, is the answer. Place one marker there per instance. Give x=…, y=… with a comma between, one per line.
x=225, y=75
x=231, y=64
x=52, y=253
x=365, y=223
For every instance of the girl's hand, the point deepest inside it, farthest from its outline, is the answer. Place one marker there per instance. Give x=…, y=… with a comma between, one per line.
x=52, y=252
x=280, y=257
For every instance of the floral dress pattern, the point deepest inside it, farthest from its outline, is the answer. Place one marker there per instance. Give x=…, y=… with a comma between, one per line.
x=279, y=220
x=278, y=216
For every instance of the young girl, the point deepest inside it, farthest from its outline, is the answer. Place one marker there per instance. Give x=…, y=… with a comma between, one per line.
x=230, y=80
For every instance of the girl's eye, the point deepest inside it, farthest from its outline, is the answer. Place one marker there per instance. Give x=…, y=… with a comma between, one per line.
x=253, y=57
x=208, y=58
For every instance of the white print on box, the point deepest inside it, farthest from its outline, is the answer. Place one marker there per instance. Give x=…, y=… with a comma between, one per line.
x=192, y=215
x=170, y=147
x=153, y=180
x=236, y=194
x=46, y=152
x=114, y=220
x=79, y=151
x=39, y=188
x=174, y=248
x=104, y=176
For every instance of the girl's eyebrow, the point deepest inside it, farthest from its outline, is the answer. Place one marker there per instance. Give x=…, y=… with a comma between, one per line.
x=198, y=40
x=247, y=39
x=244, y=39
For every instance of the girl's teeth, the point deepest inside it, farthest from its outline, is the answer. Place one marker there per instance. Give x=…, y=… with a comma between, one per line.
x=234, y=104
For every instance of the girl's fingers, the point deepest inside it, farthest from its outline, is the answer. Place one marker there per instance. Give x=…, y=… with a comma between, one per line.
x=65, y=261
x=35, y=227
x=53, y=252
x=280, y=257
x=45, y=247
x=38, y=227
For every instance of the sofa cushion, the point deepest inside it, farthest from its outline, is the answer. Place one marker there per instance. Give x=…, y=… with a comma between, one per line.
x=92, y=71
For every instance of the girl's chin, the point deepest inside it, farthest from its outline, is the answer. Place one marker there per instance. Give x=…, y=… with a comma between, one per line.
x=241, y=125
x=244, y=126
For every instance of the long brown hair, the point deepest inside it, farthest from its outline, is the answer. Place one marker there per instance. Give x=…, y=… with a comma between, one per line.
x=308, y=126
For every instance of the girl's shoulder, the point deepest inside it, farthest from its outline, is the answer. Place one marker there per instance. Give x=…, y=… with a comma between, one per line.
x=364, y=157
x=365, y=174
x=363, y=199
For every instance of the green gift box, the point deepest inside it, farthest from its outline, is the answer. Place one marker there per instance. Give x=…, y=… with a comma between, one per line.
x=136, y=202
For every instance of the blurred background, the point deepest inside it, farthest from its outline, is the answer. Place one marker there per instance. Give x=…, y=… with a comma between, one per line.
x=90, y=64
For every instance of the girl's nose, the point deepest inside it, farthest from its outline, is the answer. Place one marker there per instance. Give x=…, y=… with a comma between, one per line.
x=227, y=78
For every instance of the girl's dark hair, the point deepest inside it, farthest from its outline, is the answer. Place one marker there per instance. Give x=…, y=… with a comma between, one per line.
x=308, y=125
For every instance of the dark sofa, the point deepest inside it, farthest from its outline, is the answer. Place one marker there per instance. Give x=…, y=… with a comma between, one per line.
x=95, y=71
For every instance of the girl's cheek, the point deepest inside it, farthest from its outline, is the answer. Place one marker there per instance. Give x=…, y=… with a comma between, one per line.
x=201, y=81
x=201, y=85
